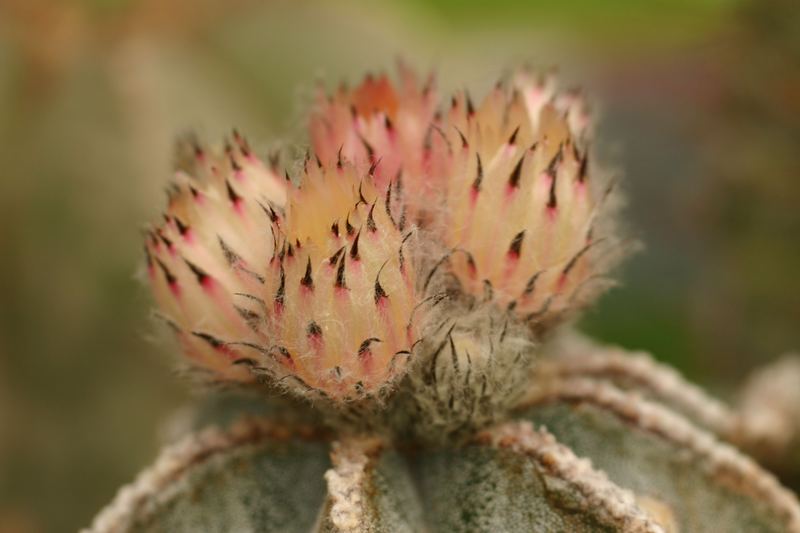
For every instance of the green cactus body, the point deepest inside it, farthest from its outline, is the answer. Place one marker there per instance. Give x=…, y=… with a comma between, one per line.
x=400, y=345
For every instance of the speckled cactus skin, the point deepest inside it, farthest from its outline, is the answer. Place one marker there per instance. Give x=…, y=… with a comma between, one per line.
x=391, y=323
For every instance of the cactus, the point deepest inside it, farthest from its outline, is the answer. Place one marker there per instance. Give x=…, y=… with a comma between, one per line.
x=391, y=326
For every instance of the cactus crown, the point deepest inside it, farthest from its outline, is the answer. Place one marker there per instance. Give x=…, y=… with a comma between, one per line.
x=413, y=235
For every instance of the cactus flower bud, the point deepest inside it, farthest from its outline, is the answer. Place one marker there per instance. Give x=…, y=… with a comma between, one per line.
x=203, y=255
x=395, y=129
x=521, y=205
x=341, y=292
x=307, y=285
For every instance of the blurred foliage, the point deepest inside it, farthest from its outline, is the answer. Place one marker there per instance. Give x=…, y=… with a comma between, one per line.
x=700, y=95
x=749, y=302
x=614, y=21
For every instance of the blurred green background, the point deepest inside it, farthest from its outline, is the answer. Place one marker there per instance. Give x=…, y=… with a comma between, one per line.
x=699, y=107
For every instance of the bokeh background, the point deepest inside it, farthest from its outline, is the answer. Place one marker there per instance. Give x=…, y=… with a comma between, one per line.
x=699, y=108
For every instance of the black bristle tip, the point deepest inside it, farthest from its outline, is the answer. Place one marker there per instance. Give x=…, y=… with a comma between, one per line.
x=168, y=275
x=371, y=226
x=313, y=329
x=379, y=292
x=464, y=143
x=182, y=228
x=361, y=199
x=400, y=256
x=340, y=282
x=234, y=165
x=583, y=168
x=273, y=216
x=335, y=229
x=552, y=201
x=167, y=242
x=349, y=227
x=364, y=348
x=552, y=171
x=354, y=248
x=230, y=255
x=280, y=294
x=387, y=204
x=335, y=257
x=244, y=147
x=515, y=248
x=471, y=262
x=198, y=272
x=307, y=281
x=552, y=167
x=232, y=196
x=513, y=139
x=574, y=260
x=531, y=284
x=476, y=184
x=283, y=352
x=368, y=147
x=470, y=105
x=372, y=168
x=210, y=339
x=516, y=174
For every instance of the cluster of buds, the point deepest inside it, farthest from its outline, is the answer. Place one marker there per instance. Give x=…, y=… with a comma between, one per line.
x=405, y=220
